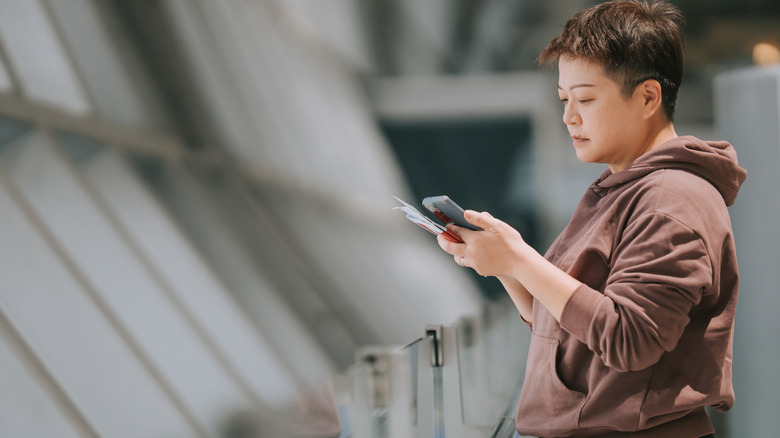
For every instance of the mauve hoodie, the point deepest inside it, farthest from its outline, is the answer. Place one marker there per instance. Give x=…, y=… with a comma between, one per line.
x=646, y=342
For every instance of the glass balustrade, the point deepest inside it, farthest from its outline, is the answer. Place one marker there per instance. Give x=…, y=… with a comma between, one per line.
x=458, y=381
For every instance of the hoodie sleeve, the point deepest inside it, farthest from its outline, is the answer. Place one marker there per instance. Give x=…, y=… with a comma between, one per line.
x=659, y=272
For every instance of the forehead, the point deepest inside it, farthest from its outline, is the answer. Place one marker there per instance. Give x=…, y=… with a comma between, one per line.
x=574, y=73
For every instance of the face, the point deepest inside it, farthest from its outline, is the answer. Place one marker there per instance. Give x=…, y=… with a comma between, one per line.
x=605, y=126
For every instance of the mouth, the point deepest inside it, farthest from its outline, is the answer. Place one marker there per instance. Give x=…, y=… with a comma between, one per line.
x=577, y=139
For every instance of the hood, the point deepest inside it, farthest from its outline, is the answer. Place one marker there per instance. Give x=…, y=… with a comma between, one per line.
x=715, y=161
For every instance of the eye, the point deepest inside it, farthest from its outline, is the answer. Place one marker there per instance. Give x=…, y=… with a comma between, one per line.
x=564, y=101
x=584, y=100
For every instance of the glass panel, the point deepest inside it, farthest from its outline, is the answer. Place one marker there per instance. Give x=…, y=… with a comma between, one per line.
x=402, y=398
x=342, y=391
x=489, y=387
x=424, y=425
x=191, y=200
x=103, y=72
x=449, y=405
x=413, y=354
x=384, y=392
x=38, y=56
x=480, y=407
x=25, y=407
x=438, y=402
x=406, y=410
x=183, y=269
x=328, y=318
x=359, y=375
x=73, y=338
x=131, y=291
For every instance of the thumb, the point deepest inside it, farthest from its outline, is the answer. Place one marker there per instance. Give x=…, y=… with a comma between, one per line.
x=483, y=220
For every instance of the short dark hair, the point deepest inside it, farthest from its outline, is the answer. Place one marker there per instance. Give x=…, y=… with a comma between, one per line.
x=634, y=40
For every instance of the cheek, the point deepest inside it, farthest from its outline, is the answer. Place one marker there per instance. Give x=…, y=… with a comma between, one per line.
x=598, y=121
x=609, y=122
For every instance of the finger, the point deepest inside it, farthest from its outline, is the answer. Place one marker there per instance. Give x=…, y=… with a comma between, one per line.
x=446, y=244
x=483, y=219
x=454, y=229
x=462, y=235
x=452, y=234
x=451, y=237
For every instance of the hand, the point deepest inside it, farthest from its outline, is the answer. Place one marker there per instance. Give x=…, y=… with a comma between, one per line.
x=494, y=251
x=500, y=251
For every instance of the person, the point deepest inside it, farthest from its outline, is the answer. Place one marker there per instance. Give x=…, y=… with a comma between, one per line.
x=631, y=310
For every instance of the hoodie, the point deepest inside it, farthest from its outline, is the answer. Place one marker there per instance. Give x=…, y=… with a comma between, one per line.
x=645, y=343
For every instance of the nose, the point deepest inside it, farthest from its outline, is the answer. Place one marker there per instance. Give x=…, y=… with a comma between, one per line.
x=570, y=114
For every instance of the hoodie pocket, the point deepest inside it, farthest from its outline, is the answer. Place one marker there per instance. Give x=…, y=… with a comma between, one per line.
x=546, y=405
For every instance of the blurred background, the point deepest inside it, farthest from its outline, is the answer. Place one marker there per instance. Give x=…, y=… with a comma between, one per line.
x=196, y=225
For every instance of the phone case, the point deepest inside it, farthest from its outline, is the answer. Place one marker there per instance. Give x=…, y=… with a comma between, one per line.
x=447, y=211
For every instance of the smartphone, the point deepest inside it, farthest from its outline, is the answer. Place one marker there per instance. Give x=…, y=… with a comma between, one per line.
x=448, y=211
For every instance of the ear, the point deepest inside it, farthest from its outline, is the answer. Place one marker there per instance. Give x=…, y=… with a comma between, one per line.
x=652, y=97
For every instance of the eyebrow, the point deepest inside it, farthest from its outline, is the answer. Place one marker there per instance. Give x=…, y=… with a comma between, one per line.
x=577, y=86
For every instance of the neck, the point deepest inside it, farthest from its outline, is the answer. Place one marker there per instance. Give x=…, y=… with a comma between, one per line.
x=655, y=137
x=661, y=136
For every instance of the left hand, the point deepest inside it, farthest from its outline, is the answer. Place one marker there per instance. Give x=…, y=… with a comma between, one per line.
x=493, y=251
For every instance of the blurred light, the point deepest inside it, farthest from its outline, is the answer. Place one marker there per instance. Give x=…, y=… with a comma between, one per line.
x=765, y=54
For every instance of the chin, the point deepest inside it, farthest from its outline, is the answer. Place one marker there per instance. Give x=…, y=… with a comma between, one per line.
x=587, y=154
x=583, y=156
